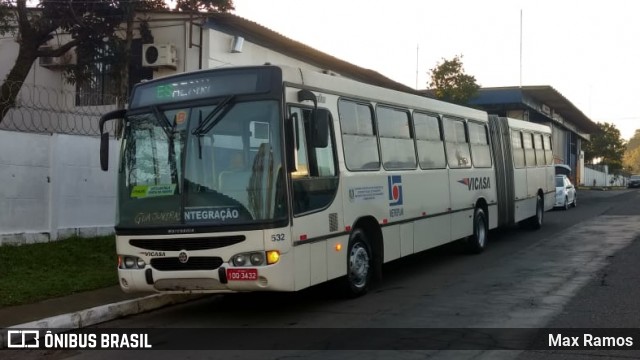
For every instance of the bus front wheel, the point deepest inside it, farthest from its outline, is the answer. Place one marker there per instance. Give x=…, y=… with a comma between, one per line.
x=359, y=265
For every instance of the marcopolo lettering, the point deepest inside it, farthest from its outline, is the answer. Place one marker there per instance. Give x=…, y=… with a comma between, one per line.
x=476, y=183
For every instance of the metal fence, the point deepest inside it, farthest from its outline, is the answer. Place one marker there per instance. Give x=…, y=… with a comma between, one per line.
x=42, y=109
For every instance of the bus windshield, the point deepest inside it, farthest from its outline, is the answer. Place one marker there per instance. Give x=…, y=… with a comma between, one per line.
x=202, y=165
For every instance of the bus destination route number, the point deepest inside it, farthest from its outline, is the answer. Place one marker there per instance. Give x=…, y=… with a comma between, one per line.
x=242, y=274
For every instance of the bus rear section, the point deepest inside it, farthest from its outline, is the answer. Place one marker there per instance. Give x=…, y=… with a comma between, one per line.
x=524, y=170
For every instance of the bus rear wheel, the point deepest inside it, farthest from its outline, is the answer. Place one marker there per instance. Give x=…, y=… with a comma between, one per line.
x=477, y=242
x=359, y=265
x=535, y=222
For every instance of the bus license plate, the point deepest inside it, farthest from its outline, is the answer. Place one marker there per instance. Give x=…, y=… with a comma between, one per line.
x=242, y=274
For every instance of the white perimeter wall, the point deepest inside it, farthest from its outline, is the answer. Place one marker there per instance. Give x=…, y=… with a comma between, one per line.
x=51, y=186
x=598, y=178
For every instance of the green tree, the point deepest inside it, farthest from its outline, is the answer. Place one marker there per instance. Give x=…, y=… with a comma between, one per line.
x=119, y=43
x=634, y=142
x=631, y=159
x=86, y=21
x=450, y=83
x=93, y=26
x=606, y=145
x=204, y=5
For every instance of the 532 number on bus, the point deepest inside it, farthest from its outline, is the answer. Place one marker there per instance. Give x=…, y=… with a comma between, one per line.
x=277, y=237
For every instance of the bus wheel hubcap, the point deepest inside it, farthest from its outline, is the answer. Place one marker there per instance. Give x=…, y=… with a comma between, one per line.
x=358, y=265
x=480, y=232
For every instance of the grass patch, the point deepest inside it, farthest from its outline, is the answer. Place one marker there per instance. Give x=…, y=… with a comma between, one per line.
x=30, y=273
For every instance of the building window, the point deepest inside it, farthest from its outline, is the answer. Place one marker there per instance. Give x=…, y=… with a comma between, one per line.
x=99, y=88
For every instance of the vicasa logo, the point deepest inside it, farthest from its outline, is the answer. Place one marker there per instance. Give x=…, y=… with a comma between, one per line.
x=476, y=183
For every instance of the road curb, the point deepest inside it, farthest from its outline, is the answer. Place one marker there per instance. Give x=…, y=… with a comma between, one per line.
x=102, y=313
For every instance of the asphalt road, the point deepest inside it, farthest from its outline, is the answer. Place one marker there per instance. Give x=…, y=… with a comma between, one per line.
x=579, y=270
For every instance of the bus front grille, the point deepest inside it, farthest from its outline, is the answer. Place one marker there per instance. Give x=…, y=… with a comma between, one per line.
x=194, y=263
x=186, y=243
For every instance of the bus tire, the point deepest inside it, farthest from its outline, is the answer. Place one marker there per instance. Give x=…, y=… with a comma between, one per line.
x=359, y=265
x=477, y=242
x=535, y=222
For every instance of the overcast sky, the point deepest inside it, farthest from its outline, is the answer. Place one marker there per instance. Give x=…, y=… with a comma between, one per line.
x=587, y=50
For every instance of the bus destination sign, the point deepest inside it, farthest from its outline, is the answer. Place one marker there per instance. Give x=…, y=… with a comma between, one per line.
x=191, y=89
x=199, y=86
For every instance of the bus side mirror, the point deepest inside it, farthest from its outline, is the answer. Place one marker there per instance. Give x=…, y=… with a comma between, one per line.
x=104, y=136
x=290, y=141
x=104, y=151
x=304, y=95
x=320, y=128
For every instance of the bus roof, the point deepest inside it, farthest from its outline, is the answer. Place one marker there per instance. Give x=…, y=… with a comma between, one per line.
x=354, y=89
x=528, y=125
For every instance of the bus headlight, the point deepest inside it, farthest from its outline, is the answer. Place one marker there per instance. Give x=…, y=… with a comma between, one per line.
x=240, y=260
x=130, y=262
x=256, y=258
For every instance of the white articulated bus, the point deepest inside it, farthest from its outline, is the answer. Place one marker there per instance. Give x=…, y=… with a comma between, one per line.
x=272, y=178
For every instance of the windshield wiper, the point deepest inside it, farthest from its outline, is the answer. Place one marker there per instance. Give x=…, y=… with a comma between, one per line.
x=164, y=122
x=214, y=117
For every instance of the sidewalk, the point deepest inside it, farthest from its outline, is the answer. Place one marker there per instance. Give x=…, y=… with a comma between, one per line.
x=84, y=309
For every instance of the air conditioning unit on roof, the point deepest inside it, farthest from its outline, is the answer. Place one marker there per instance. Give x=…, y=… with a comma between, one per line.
x=159, y=55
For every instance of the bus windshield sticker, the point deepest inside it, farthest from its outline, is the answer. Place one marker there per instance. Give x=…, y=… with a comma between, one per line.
x=366, y=193
x=208, y=213
x=144, y=191
x=181, y=116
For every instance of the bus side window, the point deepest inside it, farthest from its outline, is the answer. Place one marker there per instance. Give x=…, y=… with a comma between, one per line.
x=458, y=154
x=314, y=182
x=429, y=141
x=517, y=149
x=529, y=152
x=479, y=139
x=537, y=144
x=396, y=140
x=548, y=152
x=302, y=164
x=359, y=140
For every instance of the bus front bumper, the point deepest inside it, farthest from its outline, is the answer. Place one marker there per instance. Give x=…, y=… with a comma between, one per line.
x=221, y=280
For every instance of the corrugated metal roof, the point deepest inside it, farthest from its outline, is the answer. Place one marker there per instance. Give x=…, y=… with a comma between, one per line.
x=260, y=35
x=544, y=94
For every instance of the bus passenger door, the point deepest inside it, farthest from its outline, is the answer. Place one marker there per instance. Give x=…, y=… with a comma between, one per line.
x=314, y=191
